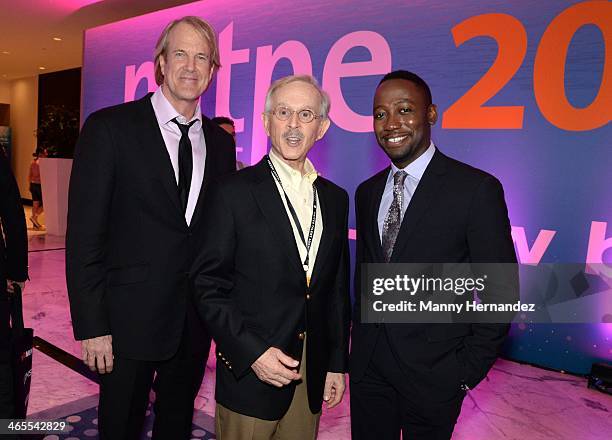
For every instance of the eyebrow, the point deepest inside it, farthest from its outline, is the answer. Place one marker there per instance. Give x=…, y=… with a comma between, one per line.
x=184, y=50
x=282, y=104
x=398, y=101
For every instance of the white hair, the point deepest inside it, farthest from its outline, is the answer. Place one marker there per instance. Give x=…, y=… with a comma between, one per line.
x=325, y=104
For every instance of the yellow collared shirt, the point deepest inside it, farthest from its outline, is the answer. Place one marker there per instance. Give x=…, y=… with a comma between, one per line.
x=299, y=190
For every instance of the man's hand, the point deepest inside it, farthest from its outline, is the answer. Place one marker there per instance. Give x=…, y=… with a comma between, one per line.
x=97, y=353
x=276, y=368
x=334, y=389
x=9, y=285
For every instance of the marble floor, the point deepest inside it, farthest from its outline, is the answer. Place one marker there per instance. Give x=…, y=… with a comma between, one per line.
x=515, y=401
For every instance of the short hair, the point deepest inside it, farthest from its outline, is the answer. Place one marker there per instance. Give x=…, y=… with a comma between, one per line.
x=202, y=27
x=219, y=120
x=325, y=104
x=412, y=77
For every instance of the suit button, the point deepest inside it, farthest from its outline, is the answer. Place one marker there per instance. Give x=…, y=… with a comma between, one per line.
x=301, y=336
x=308, y=296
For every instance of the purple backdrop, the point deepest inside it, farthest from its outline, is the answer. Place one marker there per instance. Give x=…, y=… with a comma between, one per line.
x=538, y=119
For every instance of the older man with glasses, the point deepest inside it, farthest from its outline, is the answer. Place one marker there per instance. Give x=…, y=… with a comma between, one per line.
x=272, y=283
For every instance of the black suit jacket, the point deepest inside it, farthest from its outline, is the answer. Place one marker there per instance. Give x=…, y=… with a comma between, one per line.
x=251, y=290
x=13, y=247
x=457, y=215
x=128, y=246
x=13, y=239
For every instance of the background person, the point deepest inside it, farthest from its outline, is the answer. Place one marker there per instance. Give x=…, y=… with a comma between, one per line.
x=13, y=269
x=228, y=125
x=36, y=189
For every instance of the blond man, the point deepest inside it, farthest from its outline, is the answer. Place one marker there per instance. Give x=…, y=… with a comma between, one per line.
x=139, y=174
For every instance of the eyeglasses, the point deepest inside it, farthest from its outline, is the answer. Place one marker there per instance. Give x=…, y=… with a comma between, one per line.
x=305, y=116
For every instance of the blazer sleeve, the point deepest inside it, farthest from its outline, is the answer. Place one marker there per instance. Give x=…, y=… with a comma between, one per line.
x=359, y=258
x=89, y=205
x=340, y=306
x=490, y=244
x=213, y=280
x=13, y=225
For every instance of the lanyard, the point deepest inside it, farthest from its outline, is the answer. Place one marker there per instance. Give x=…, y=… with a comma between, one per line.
x=307, y=244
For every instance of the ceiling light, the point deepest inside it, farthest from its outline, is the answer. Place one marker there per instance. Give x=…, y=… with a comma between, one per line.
x=42, y=68
x=57, y=39
x=6, y=52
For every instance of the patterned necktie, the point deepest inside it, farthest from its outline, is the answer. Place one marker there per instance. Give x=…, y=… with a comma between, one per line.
x=185, y=162
x=393, y=220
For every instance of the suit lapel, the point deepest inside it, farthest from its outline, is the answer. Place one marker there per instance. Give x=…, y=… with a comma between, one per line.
x=211, y=164
x=425, y=193
x=329, y=226
x=155, y=147
x=377, y=190
x=271, y=205
x=211, y=151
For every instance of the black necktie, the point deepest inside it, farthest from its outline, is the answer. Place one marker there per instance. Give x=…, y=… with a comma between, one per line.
x=185, y=163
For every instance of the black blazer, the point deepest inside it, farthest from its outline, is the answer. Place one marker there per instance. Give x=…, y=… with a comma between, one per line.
x=13, y=247
x=251, y=290
x=14, y=238
x=128, y=246
x=457, y=215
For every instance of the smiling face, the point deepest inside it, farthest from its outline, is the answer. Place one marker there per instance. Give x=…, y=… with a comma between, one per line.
x=293, y=139
x=402, y=120
x=186, y=67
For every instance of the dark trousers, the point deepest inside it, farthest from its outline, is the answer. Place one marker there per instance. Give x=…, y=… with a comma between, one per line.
x=383, y=403
x=124, y=395
x=7, y=406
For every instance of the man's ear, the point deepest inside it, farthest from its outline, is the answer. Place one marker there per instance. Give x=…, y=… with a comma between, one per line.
x=432, y=114
x=266, y=122
x=325, y=123
x=211, y=74
x=162, y=64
